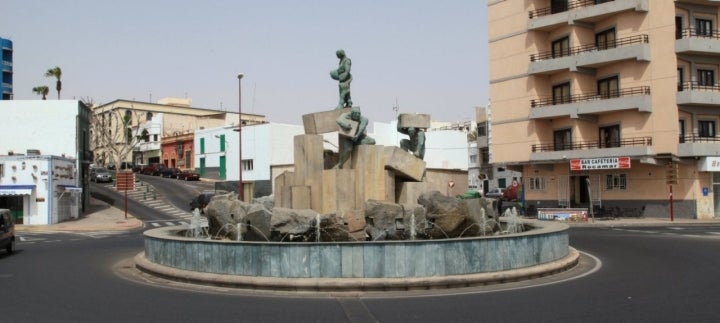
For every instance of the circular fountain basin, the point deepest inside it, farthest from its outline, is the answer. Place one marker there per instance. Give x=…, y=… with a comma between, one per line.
x=367, y=265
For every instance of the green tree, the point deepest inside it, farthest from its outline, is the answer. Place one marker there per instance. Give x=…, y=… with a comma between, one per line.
x=56, y=72
x=41, y=90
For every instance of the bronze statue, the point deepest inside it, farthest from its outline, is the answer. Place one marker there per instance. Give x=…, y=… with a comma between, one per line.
x=342, y=74
x=359, y=137
x=416, y=143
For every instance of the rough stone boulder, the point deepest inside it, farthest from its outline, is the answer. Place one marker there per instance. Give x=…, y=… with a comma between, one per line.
x=301, y=225
x=452, y=217
x=267, y=201
x=223, y=212
x=256, y=223
x=390, y=221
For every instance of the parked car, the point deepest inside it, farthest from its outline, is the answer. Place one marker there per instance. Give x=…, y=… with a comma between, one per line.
x=7, y=231
x=138, y=168
x=153, y=169
x=188, y=175
x=170, y=172
x=201, y=201
x=100, y=175
x=496, y=193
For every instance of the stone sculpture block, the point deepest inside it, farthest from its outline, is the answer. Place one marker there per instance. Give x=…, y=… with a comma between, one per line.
x=338, y=192
x=368, y=162
x=300, y=197
x=322, y=122
x=414, y=120
x=404, y=164
x=282, y=189
x=409, y=192
x=309, y=166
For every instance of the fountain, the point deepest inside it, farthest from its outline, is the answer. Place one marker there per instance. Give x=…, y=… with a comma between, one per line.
x=370, y=222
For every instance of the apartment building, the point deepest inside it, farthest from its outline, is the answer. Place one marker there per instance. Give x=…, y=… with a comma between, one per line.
x=609, y=103
x=6, y=69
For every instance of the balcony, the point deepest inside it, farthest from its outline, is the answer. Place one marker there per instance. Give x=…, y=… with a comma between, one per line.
x=694, y=145
x=635, y=146
x=581, y=12
x=635, y=98
x=690, y=42
x=693, y=94
x=591, y=55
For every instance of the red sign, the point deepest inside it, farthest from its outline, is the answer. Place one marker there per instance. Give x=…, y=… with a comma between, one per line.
x=125, y=181
x=600, y=163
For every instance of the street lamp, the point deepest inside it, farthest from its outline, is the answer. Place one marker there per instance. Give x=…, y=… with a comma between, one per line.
x=240, y=182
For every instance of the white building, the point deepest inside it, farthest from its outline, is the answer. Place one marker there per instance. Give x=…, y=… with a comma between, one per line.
x=49, y=136
x=40, y=189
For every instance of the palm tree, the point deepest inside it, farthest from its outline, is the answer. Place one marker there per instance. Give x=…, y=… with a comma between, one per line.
x=41, y=90
x=56, y=72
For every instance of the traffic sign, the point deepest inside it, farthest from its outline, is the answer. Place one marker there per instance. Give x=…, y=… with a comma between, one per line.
x=125, y=181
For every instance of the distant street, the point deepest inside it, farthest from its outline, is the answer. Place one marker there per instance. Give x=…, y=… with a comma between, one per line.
x=650, y=274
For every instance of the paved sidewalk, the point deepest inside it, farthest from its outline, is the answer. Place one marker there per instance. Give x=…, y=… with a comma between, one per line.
x=100, y=217
x=640, y=221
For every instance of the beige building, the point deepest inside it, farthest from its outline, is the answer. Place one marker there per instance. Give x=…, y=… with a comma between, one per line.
x=137, y=129
x=608, y=103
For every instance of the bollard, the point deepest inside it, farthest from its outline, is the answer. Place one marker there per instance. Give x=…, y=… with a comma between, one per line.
x=154, y=195
x=144, y=195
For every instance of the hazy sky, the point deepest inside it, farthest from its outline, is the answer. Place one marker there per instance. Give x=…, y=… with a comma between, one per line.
x=429, y=55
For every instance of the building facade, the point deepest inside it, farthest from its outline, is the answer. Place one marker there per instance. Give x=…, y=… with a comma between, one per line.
x=133, y=131
x=610, y=104
x=6, y=67
x=44, y=152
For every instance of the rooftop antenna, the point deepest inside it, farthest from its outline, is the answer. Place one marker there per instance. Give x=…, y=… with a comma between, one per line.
x=252, y=109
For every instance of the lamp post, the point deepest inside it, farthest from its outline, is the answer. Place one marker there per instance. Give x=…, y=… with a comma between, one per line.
x=240, y=165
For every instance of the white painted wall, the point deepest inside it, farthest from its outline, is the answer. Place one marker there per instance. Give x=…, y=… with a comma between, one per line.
x=444, y=149
x=47, y=125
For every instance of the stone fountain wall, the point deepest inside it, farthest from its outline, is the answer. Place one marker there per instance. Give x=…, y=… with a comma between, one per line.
x=547, y=242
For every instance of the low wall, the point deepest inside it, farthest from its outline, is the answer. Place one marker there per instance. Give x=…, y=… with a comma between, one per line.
x=547, y=242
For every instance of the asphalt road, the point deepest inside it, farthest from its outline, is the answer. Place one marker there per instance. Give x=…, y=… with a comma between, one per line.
x=647, y=275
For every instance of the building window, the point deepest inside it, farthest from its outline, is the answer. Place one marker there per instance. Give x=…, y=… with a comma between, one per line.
x=482, y=129
x=562, y=140
x=561, y=47
x=609, y=87
x=616, y=182
x=704, y=27
x=202, y=146
x=247, y=164
x=706, y=77
x=605, y=39
x=155, y=138
x=222, y=143
x=148, y=116
x=502, y=183
x=561, y=93
x=485, y=156
x=609, y=136
x=706, y=128
x=681, y=126
x=473, y=159
x=128, y=118
x=536, y=183
x=558, y=6
x=2, y=170
x=680, y=78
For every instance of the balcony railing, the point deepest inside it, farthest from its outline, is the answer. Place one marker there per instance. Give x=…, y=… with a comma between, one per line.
x=693, y=138
x=694, y=33
x=564, y=7
x=695, y=86
x=640, y=90
x=632, y=40
x=593, y=144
